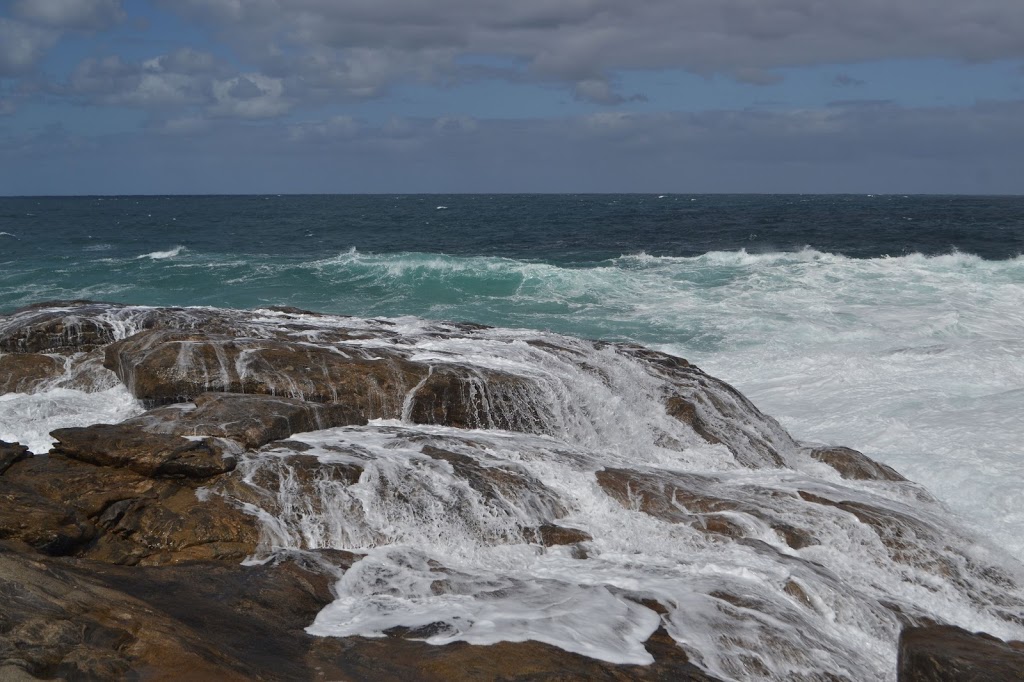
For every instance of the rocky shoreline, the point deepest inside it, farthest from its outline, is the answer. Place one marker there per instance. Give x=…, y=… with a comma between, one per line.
x=141, y=550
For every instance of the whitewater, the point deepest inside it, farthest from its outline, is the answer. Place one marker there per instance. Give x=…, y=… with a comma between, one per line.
x=686, y=507
x=915, y=359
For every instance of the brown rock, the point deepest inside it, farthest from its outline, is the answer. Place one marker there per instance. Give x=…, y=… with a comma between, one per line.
x=64, y=506
x=46, y=526
x=162, y=366
x=168, y=366
x=148, y=454
x=73, y=619
x=549, y=535
x=906, y=537
x=717, y=412
x=55, y=326
x=84, y=621
x=950, y=654
x=269, y=476
x=855, y=465
x=693, y=499
x=686, y=411
x=250, y=420
x=394, y=658
x=173, y=527
x=24, y=372
x=85, y=487
x=472, y=398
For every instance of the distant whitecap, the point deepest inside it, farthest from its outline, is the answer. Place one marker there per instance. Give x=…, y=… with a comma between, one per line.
x=163, y=255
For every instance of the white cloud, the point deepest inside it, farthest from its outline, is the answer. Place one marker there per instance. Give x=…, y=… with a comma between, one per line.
x=368, y=45
x=22, y=46
x=250, y=95
x=153, y=83
x=69, y=14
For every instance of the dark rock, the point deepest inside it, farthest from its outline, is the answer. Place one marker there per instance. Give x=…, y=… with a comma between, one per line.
x=10, y=453
x=250, y=420
x=855, y=465
x=148, y=454
x=549, y=535
x=23, y=372
x=85, y=621
x=292, y=310
x=950, y=654
x=397, y=658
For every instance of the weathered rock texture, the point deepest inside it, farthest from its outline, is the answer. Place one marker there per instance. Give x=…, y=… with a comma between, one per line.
x=950, y=654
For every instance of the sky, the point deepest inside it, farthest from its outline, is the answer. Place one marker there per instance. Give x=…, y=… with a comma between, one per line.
x=350, y=96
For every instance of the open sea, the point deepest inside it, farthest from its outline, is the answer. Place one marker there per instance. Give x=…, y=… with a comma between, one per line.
x=890, y=324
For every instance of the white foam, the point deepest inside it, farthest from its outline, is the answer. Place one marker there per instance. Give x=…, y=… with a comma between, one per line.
x=460, y=565
x=28, y=418
x=163, y=255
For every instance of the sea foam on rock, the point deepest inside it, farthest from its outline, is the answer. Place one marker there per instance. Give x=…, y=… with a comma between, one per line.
x=566, y=507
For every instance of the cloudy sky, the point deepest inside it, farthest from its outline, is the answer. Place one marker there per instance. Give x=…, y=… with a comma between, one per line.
x=257, y=96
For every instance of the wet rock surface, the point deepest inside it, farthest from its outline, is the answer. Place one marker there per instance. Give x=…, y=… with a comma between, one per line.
x=951, y=654
x=22, y=372
x=249, y=420
x=11, y=453
x=855, y=465
x=121, y=549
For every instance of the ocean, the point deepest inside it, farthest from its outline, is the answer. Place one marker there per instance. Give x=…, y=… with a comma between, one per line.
x=890, y=324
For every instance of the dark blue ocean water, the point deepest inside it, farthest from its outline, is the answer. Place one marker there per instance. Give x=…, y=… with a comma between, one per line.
x=563, y=229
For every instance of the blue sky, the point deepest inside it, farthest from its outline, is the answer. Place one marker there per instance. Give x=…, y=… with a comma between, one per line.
x=252, y=96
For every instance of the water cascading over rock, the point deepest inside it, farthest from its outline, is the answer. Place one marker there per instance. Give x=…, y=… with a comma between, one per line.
x=457, y=483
